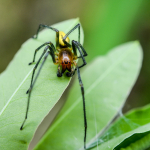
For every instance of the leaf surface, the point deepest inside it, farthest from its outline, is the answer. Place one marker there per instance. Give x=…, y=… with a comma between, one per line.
x=128, y=132
x=108, y=81
x=15, y=81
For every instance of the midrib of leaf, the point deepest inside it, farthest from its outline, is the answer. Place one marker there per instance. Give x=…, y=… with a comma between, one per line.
x=93, y=86
x=71, y=26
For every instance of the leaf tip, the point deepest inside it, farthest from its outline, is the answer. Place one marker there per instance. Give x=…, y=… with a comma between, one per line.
x=137, y=43
x=78, y=19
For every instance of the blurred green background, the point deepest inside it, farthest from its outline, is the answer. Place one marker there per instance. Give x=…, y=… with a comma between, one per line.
x=106, y=23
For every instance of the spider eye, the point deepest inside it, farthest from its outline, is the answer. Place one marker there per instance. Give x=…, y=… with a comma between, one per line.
x=66, y=62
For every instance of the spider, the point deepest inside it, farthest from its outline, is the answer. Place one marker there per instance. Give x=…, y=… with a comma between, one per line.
x=64, y=54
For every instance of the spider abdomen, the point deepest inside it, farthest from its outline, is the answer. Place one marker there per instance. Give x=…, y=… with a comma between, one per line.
x=61, y=35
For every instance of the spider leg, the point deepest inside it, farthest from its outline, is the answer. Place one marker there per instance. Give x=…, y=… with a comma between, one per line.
x=53, y=58
x=47, y=43
x=30, y=90
x=77, y=26
x=83, y=50
x=46, y=26
x=74, y=46
x=84, y=111
x=37, y=66
x=64, y=38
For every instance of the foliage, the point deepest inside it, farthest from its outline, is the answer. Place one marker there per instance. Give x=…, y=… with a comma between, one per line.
x=108, y=81
x=15, y=81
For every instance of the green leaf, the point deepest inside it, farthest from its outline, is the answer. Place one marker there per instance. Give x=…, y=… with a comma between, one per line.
x=136, y=129
x=138, y=141
x=108, y=81
x=128, y=132
x=15, y=81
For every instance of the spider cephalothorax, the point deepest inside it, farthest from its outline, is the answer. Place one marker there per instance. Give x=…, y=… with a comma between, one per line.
x=63, y=55
x=66, y=59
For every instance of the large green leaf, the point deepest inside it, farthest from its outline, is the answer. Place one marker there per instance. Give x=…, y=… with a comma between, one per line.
x=108, y=81
x=128, y=132
x=15, y=81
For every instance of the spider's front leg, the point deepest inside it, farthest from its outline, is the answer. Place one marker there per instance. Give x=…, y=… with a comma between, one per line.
x=52, y=51
x=46, y=53
x=36, y=67
x=46, y=43
x=30, y=89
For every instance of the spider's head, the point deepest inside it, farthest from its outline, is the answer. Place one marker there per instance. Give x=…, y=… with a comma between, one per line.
x=65, y=58
x=61, y=42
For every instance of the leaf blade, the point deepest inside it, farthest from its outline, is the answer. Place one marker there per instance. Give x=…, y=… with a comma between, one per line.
x=99, y=79
x=16, y=80
x=129, y=131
